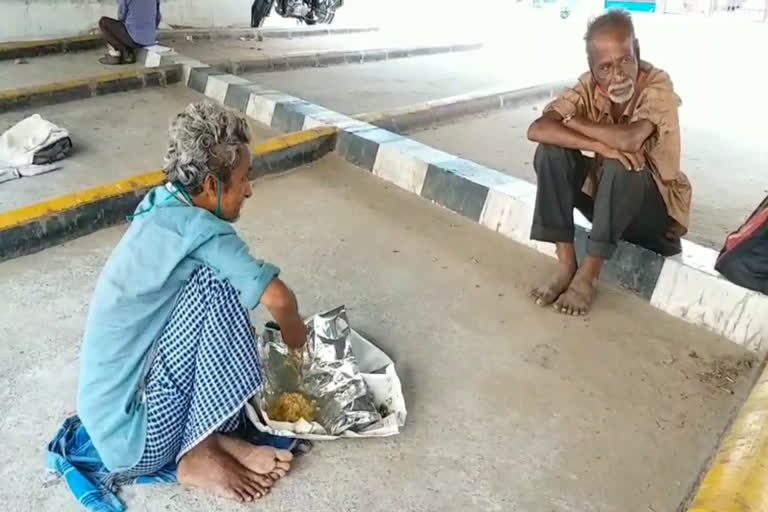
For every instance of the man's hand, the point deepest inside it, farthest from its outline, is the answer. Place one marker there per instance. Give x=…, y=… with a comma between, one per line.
x=294, y=333
x=630, y=161
x=281, y=303
x=637, y=160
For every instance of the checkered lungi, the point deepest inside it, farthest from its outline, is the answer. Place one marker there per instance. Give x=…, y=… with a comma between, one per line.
x=204, y=370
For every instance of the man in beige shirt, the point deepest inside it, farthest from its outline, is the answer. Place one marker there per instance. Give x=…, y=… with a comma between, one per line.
x=625, y=112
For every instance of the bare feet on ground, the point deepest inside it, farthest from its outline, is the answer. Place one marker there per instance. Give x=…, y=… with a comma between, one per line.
x=577, y=299
x=549, y=292
x=263, y=460
x=212, y=468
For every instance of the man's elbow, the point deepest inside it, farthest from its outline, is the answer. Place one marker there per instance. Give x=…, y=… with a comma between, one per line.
x=278, y=296
x=534, y=131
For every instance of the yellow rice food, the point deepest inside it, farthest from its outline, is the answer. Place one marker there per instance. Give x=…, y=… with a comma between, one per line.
x=291, y=407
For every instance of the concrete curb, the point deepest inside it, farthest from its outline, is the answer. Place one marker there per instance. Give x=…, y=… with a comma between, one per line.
x=685, y=286
x=30, y=49
x=89, y=87
x=161, y=55
x=254, y=33
x=48, y=223
x=736, y=479
x=402, y=119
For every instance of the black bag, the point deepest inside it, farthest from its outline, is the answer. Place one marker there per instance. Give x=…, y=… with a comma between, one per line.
x=744, y=258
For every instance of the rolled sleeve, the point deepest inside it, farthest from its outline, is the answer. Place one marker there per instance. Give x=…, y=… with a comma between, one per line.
x=571, y=103
x=659, y=104
x=229, y=256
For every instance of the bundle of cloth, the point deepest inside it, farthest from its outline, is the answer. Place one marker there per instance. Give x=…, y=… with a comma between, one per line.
x=32, y=146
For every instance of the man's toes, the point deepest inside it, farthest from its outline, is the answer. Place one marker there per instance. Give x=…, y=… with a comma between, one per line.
x=234, y=494
x=283, y=456
x=250, y=490
x=282, y=466
x=261, y=480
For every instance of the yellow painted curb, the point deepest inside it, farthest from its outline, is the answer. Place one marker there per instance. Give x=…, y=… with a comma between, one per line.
x=152, y=179
x=68, y=84
x=292, y=139
x=72, y=201
x=737, y=480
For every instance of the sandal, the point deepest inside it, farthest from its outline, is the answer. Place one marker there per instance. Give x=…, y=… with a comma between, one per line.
x=111, y=60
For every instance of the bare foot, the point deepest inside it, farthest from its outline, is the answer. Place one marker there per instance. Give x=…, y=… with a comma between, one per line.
x=209, y=467
x=549, y=292
x=577, y=299
x=263, y=460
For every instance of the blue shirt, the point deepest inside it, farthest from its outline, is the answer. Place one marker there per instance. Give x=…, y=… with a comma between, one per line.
x=141, y=19
x=135, y=295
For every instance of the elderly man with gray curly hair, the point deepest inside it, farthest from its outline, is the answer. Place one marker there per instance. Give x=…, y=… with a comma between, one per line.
x=169, y=357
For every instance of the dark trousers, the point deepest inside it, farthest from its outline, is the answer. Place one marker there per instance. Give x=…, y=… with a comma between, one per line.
x=627, y=204
x=115, y=34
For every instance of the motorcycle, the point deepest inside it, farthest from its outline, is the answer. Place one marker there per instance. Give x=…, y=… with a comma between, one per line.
x=311, y=12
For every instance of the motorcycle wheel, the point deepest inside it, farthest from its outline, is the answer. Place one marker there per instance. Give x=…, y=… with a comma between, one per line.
x=324, y=14
x=259, y=12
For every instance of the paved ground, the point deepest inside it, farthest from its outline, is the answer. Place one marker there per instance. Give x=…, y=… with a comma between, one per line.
x=511, y=407
x=55, y=68
x=359, y=88
x=115, y=137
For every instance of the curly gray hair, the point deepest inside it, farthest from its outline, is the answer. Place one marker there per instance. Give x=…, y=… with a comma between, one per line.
x=204, y=139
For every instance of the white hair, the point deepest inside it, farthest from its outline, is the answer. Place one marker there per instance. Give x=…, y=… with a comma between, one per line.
x=204, y=139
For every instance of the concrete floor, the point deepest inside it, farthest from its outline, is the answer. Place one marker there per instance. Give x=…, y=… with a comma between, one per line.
x=512, y=407
x=114, y=137
x=359, y=88
x=249, y=49
x=55, y=68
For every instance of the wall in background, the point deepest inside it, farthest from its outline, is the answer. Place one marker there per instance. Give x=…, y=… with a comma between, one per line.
x=42, y=19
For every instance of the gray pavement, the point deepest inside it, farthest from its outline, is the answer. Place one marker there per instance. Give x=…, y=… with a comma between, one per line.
x=512, y=407
x=56, y=68
x=114, y=137
x=360, y=88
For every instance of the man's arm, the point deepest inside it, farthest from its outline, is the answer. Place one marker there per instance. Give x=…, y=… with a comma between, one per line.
x=627, y=137
x=550, y=129
x=256, y=280
x=158, y=16
x=281, y=303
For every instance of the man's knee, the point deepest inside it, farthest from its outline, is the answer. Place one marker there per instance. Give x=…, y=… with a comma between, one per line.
x=549, y=157
x=615, y=171
x=103, y=23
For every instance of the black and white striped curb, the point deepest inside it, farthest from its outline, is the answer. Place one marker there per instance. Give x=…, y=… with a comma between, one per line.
x=162, y=56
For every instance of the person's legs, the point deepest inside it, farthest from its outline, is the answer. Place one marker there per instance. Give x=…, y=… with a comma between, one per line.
x=561, y=173
x=627, y=203
x=118, y=39
x=204, y=370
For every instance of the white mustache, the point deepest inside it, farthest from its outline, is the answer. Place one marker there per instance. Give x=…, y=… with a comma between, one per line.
x=628, y=86
x=620, y=87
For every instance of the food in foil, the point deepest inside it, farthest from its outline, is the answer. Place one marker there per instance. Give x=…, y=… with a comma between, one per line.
x=292, y=407
x=325, y=374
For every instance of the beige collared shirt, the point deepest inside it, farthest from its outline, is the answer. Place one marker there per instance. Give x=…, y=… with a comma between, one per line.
x=655, y=101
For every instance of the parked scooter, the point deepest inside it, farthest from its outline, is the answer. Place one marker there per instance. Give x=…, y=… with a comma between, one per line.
x=311, y=12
